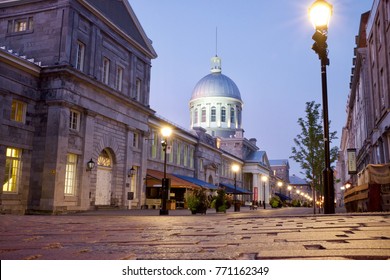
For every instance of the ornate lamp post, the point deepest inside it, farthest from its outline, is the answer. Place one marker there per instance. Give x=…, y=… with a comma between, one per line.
x=235, y=169
x=165, y=184
x=320, y=13
x=264, y=179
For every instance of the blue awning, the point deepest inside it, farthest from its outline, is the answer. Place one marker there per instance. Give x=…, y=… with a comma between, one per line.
x=232, y=189
x=197, y=182
x=283, y=197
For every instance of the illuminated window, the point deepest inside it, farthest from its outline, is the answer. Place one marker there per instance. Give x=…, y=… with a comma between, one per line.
x=105, y=70
x=13, y=168
x=20, y=25
x=70, y=175
x=18, y=111
x=104, y=159
x=80, y=56
x=74, y=120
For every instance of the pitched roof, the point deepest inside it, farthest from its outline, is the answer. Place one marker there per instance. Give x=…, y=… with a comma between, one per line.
x=294, y=180
x=120, y=13
x=279, y=162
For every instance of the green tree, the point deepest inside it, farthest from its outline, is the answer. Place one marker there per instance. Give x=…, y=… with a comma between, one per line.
x=309, y=149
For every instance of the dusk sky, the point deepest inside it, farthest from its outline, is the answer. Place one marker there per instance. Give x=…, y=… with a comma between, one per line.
x=265, y=48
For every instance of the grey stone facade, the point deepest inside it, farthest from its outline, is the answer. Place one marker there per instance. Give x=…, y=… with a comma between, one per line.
x=108, y=117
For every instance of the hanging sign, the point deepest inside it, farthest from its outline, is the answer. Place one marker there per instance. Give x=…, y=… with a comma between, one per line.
x=351, y=155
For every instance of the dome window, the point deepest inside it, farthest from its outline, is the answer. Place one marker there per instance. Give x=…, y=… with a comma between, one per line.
x=203, y=114
x=213, y=117
x=223, y=114
x=232, y=116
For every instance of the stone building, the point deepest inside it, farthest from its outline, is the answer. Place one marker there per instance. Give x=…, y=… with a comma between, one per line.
x=365, y=139
x=74, y=86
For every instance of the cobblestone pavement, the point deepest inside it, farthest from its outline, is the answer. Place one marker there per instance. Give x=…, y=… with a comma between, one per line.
x=143, y=234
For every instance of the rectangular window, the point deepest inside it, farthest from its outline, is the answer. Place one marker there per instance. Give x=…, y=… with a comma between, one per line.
x=18, y=111
x=74, y=120
x=203, y=117
x=135, y=140
x=119, y=78
x=213, y=116
x=178, y=154
x=105, y=70
x=70, y=175
x=185, y=155
x=20, y=25
x=13, y=169
x=223, y=114
x=154, y=144
x=138, y=89
x=191, y=157
x=80, y=56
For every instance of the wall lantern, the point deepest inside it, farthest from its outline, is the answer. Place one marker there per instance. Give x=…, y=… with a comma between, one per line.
x=90, y=165
x=131, y=172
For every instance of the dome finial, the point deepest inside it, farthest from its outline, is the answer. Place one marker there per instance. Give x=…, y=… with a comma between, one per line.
x=216, y=64
x=216, y=61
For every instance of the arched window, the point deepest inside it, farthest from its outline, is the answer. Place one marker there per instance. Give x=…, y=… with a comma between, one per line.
x=223, y=114
x=196, y=116
x=232, y=115
x=213, y=115
x=203, y=114
x=104, y=159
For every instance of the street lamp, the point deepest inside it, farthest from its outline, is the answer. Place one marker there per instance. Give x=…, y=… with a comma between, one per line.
x=165, y=184
x=235, y=169
x=320, y=13
x=289, y=188
x=264, y=179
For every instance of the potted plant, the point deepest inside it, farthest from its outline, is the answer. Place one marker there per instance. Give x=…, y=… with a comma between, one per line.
x=222, y=201
x=275, y=202
x=197, y=201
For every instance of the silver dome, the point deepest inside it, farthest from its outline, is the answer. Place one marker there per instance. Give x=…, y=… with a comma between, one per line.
x=216, y=85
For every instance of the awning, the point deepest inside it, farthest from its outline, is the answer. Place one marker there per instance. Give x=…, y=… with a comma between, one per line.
x=154, y=177
x=232, y=189
x=283, y=197
x=197, y=182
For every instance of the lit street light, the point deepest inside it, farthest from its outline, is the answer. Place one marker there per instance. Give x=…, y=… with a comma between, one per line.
x=235, y=169
x=165, y=184
x=320, y=13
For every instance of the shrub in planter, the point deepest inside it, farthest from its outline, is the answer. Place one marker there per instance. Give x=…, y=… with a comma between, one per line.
x=198, y=201
x=296, y=203
x=222, y=201
x=275, y=202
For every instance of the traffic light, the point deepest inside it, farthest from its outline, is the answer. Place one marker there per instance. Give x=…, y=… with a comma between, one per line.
x=320, y=46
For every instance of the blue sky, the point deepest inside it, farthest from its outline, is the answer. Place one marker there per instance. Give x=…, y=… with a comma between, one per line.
x=265, y=48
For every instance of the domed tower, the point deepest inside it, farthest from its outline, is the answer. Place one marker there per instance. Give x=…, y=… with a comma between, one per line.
x=216, y=103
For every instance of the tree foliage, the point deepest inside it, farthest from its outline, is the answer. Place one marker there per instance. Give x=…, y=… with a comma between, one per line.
x=309, y=149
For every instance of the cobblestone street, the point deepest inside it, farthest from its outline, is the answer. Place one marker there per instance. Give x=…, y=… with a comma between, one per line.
x=144, y=235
